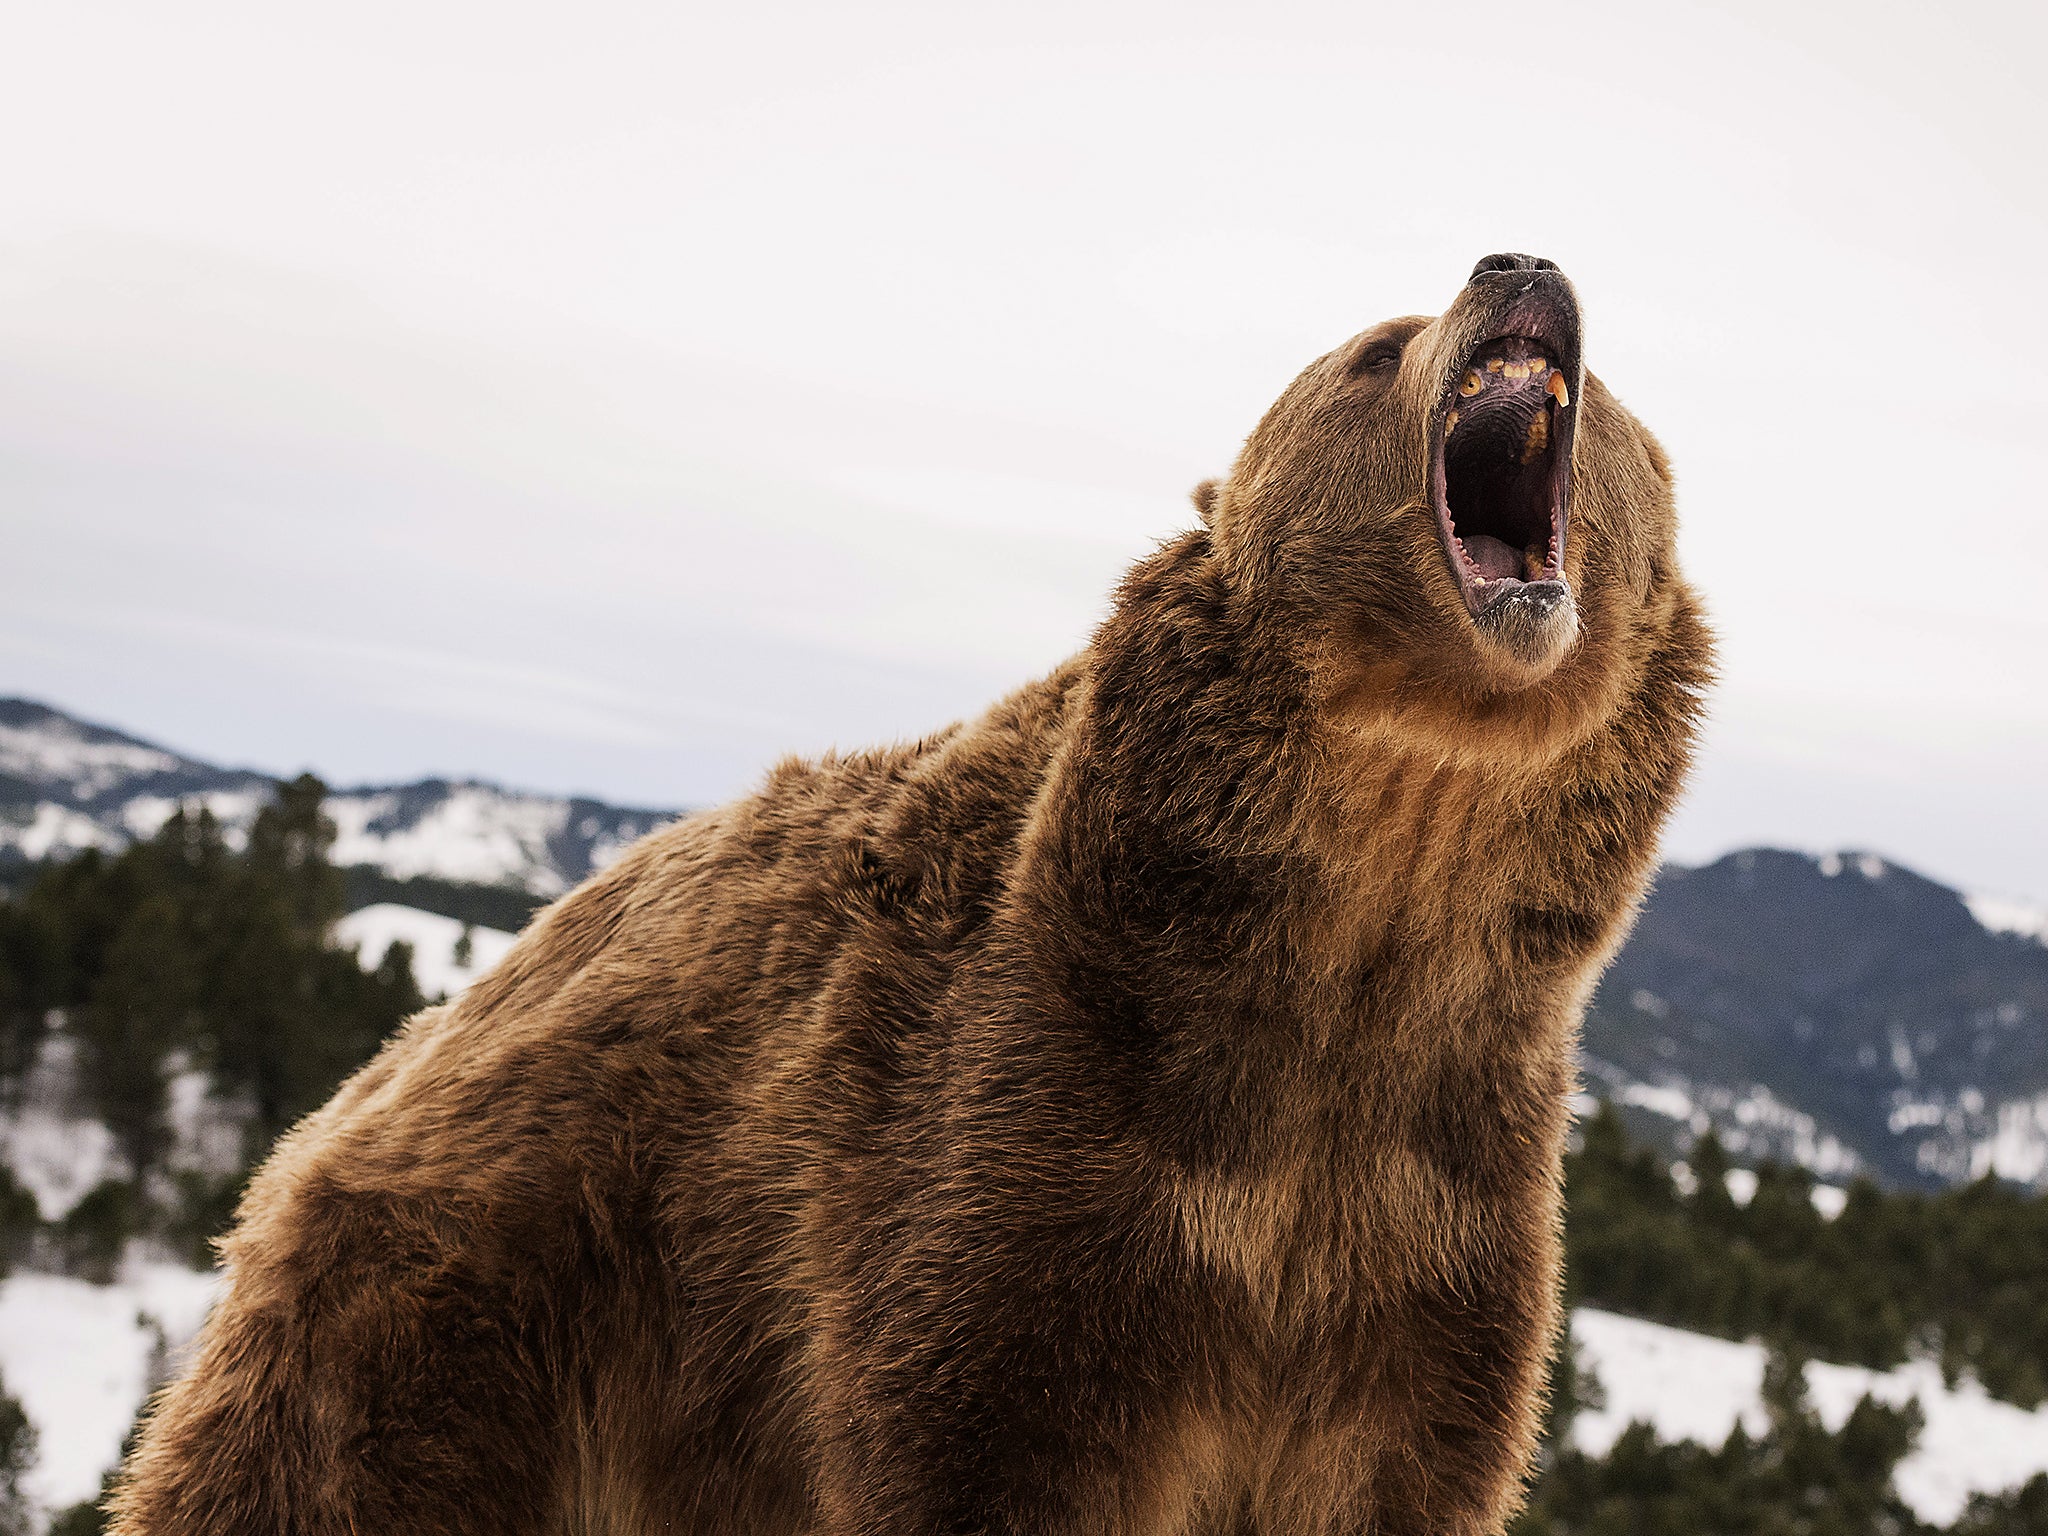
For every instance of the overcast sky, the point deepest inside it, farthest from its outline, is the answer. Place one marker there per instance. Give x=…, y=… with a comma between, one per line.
x=612, y=398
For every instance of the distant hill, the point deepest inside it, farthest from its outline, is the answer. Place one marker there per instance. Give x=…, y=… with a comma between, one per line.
x=1840, y=1011
x=1835, y=1010
x=67, y=784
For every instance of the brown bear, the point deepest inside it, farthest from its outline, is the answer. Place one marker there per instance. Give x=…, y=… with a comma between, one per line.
x=1138, y=1110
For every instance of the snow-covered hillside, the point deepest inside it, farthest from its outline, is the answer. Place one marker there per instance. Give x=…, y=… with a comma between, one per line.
x=1687, y=1386
x=81, y=1358
x=67, y=785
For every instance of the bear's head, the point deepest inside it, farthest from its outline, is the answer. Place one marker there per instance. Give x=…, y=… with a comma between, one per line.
x=1463, y=526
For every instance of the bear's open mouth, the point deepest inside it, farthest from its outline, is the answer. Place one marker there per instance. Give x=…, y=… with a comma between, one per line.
x=1499, y=476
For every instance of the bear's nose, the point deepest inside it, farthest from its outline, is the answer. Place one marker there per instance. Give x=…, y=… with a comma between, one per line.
x=1512, y=261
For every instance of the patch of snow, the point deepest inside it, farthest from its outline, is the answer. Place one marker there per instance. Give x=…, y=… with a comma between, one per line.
x=1830, y=865
x=605, y=851
x=1909, y=1113
x=1870, y=866
x=1741, y=1184
x=475, y=833
x=1974, y=1137
x=373, y=930
x=1972, y=1442
x=1751, y=1121
x=80, y=1356
x=59, y=1158
x=2004, y=914
x=56, y=1153
x=206, y=1134
x=1768, y=1127
x=1687, y=1386
x=57, y=752
x=54, y=828
x=234, y=809
x=1830, y=1200
x=1672, y=1103
x=1645, y=1001
x=2018, y=1148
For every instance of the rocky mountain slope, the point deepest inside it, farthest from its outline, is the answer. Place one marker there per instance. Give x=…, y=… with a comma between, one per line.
x=1837, y=1010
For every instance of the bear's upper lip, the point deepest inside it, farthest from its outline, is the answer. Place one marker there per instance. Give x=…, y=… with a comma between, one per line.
x=1500, y=459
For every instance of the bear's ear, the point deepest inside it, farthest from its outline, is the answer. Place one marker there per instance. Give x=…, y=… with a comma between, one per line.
x=1204, y=497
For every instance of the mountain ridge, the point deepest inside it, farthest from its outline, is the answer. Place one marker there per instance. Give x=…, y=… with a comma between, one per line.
x=68, y=784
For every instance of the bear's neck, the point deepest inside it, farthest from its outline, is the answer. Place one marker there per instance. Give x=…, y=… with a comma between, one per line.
x=1217, y=848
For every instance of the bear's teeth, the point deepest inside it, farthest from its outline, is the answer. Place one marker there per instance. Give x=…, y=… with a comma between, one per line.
x=1557, y=389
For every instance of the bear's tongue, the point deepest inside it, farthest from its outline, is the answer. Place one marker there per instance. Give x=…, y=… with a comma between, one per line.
x=1495, y=558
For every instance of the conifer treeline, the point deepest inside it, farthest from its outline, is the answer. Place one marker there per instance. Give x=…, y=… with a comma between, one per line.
x=1797, y=1478
x=1960, y=1275
x=182, y=953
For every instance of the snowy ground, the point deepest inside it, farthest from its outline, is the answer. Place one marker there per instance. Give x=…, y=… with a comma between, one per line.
x=80, y=1357
x=372, y=930
x=1690, y=1387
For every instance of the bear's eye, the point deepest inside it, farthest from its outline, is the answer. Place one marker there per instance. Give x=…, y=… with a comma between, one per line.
x=1377, y=357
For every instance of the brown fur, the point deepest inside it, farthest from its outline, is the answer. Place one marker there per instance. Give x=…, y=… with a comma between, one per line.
x=1138, y=1110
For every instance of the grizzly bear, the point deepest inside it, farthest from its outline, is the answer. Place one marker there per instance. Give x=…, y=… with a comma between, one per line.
x=1138, y=1110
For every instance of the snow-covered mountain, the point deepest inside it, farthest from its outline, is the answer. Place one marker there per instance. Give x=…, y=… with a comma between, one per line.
x=67, y=785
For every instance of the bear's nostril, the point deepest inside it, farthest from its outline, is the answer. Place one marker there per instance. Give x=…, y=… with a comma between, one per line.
x=1512, y=261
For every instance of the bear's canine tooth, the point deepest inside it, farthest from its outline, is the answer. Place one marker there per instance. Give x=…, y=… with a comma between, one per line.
x=1558, y=392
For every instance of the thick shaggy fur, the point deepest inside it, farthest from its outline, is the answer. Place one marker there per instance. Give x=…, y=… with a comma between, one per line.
x=1136, y=1110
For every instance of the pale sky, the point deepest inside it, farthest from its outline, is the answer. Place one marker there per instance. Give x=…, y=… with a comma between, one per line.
x=613, y=398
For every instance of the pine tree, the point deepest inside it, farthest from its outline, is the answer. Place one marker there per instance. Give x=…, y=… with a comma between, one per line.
x=17, y=1455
